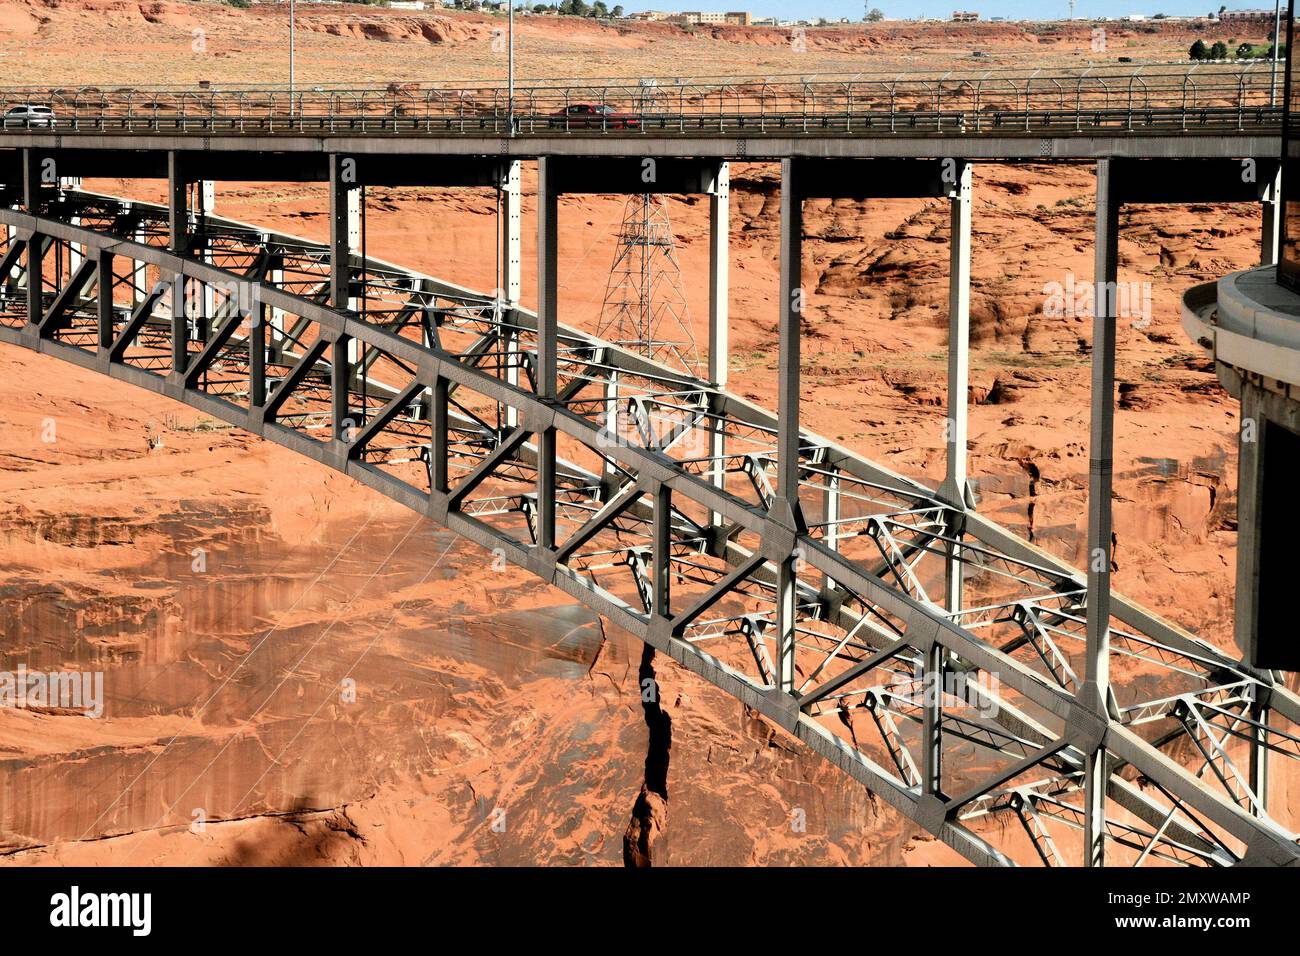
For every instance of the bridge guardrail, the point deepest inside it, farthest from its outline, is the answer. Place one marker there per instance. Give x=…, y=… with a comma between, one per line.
x=1175, y=97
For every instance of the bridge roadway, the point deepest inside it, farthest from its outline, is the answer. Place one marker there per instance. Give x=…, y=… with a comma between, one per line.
x=1149, y=111
x=960, y=673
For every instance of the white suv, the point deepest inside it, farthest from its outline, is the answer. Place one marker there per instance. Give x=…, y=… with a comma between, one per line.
x=29, y=116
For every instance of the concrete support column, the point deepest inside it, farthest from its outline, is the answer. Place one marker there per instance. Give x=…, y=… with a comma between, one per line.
x=1270, y=201
x=955, y=488
x=785, y=507
x=547, y=340
x=1095, y=692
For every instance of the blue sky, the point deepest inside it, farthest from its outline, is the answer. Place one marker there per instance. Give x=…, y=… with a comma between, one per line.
x=907, y=9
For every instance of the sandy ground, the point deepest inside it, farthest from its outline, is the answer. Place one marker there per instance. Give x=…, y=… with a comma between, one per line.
x=79, y=42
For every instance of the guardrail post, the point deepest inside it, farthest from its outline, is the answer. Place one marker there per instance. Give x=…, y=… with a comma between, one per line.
x=1095, y=693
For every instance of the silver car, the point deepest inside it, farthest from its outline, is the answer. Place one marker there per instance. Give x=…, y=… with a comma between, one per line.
x=29, y=116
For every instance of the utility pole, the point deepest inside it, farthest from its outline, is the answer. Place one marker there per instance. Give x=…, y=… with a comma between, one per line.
x=510, y=66
x=1277, y=29
x=292, y=10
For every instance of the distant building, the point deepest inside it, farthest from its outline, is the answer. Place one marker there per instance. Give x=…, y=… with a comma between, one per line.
x=650, y=15
x=407, y=4
x=1247, y=17
x=964, y=16
x=763, y=22
x=741, y=18
x=697, y=17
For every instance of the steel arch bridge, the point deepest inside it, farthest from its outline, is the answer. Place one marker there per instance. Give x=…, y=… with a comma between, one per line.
x=656, y=499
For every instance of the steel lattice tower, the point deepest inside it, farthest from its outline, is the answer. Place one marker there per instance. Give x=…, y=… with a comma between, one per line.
x=645, y=307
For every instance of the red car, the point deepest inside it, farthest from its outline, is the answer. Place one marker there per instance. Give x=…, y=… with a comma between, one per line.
x=592, y=116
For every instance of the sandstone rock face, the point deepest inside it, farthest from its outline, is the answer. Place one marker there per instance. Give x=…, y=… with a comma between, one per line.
x=297, y=671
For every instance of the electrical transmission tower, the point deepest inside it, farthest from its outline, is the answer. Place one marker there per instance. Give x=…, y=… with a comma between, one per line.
x=645, y=305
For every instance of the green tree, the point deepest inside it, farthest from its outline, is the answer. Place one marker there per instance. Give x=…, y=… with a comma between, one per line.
x=1198, y=51
x=1245, y=51
x=875, y=15
x=598, y=9
x=616, y=12
x=1219, y=51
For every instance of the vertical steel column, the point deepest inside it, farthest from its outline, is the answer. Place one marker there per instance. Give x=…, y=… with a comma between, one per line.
x=831, y=512
x=956, y=431
x=32, y=173
x=104, y=299
x=257, y=357
x=139, y=269
x=1270, y=219
x=1252, y=437
x=791, y=258
x=276, y=333
x=932, y=689
x=207, y=197
x=510, y=240
x=1259, y=712
x=178, y=241
x=1095, y=692
x=438, y=480
x=785, y=507
x=719, y=274
x=342, y=241
x=547, y=340
x=660, y=585
x=511, y=232
x=719, y=315
x=178, y=212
